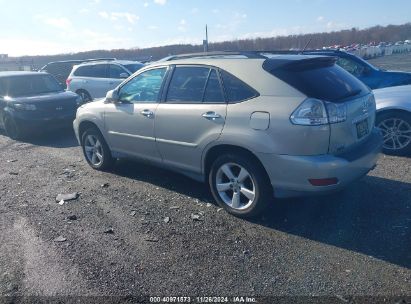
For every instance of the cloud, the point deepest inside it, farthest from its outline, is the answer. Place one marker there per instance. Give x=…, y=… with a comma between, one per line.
x=130, y=18
x=182, y=25
x=84, y=11
x=320, y=19
x=146, y=4
x=195, y=10
x=60, y=23
x=153, y=27
x=160, y=2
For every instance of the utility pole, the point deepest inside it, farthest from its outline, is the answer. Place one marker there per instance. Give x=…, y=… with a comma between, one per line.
x=205, y=42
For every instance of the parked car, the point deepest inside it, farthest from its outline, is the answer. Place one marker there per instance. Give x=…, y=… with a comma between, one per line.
x=372, y=76
x=251, y=126
x=34, y=101
x=94, y=79
x=62, y=69
x=394, y=119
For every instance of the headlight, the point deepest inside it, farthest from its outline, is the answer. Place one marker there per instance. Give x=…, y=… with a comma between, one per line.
x=25, y=106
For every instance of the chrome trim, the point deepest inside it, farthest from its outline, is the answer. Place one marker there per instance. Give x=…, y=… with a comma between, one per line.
x=131, y=135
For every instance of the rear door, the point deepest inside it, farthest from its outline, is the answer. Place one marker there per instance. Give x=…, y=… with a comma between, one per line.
x=192, y=116
x=116, y=75
x=93, y=79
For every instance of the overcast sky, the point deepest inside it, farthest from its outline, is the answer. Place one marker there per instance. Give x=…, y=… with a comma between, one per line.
x=55, y=26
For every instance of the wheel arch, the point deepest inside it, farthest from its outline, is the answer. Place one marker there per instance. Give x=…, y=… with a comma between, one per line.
x=215, y=151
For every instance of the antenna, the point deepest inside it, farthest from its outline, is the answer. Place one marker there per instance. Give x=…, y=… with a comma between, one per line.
x=305, y=47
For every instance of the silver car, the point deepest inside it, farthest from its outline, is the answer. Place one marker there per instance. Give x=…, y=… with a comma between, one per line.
x=394, y=118
x=250, y=125
x=94, y=79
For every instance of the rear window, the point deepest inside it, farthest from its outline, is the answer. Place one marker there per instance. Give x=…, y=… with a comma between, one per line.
x=320, y=79
x=17, y=86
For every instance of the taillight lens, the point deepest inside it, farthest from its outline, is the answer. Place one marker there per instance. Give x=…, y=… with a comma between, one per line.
x=311, y=112
x=315, y=112
x=68, y=80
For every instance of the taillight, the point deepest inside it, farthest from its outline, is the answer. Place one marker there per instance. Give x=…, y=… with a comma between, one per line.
x=315, y=112
x=68, y=80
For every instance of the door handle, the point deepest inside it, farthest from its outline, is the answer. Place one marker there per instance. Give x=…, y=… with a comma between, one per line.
x=211, y=115
x=147, y=113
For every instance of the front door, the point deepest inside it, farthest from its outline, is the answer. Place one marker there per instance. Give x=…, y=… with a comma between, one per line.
x=192, y=116
x=130, y=122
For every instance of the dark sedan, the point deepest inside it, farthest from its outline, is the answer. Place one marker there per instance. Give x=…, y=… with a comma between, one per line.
x=372, y=76
x=34, y=101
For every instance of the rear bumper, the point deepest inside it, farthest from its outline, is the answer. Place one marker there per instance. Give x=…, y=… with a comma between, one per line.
x=290, y=175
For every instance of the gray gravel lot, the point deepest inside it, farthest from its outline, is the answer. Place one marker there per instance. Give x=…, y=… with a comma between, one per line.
x=131, y=232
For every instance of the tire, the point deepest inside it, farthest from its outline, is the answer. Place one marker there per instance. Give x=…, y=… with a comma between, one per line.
x=96, y=150
x=13, y=130
x=396, y=129
x=84, y=95
x=249, y=184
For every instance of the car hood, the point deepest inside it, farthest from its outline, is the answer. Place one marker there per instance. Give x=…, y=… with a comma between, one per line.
x=46, y=97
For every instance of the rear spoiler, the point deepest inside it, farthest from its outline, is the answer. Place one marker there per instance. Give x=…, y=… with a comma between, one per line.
x=273, y=64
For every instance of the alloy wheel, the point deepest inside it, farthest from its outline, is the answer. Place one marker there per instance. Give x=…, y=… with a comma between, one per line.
x=235, y=186
x=396, y=133
x=94, y=150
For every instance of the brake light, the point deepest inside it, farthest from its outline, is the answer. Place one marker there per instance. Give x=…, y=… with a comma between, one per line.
x=318, y=182
x=68, y=81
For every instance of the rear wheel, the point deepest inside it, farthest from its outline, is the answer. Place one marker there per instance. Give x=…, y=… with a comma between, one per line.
x=96, y=150
x=84, y=95
x=396, y=130
x=12, y=129
x=240, y=185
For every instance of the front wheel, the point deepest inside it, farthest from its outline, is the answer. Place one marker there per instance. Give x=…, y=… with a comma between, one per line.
x=396, y=130
x=240, y=185
x=12, y=129
x=96, y=150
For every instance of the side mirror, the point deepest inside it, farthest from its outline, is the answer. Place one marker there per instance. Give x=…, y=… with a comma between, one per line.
x=124, y=75
x=112, y=96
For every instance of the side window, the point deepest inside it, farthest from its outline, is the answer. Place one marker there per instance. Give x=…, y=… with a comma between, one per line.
x=213, y=92
x=188, y=84
x=143, y=88
x=351, y=66
x=2, y=87
x=236, y=89
x=115, y=71
x=97, y=71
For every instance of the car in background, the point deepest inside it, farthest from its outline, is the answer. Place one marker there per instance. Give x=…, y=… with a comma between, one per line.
x=372, y=76
x=394, y=119
x=34, y=101
x=249, y=125
x=94, y=79
x=62, y=69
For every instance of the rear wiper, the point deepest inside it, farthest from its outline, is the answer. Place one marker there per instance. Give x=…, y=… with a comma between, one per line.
x=351, y=94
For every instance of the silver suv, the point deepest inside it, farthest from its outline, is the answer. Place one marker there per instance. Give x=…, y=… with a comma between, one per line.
x=94, y=79
x=251, y=125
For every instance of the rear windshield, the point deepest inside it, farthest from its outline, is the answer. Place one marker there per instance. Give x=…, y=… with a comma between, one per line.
x=134, y=67
x=325, y=81
x=29, y=85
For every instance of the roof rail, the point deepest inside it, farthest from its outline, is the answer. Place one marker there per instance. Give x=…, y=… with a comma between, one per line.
x=247, y=54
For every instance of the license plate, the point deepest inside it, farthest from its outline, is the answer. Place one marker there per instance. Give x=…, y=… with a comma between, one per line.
x=362, y=128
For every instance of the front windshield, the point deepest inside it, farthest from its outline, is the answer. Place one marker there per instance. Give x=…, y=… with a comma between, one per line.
x=30, y=85
x=134, y=67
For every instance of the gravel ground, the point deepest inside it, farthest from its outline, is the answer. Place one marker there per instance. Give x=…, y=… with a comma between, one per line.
x=397, y=62
x=131, y=232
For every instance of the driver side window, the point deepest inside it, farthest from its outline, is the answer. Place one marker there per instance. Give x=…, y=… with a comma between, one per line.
x=351, y=66
x=143, y=88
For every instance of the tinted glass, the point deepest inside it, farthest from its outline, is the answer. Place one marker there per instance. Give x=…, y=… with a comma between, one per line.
x=134, y=67
x=145, y=87
x=29, y=85
x=330, y=82
x=236, y=89
x=188, y=84
x=98, y=71
x=351, y=66
x=213, y=92
x=115, y=71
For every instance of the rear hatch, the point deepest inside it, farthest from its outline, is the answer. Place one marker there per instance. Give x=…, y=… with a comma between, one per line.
x=320, y=78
